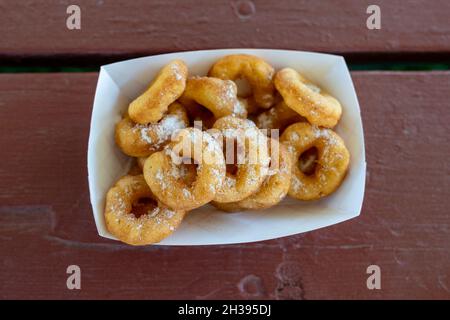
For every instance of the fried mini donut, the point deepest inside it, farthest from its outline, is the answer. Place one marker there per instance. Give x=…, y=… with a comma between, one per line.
x=167, y=87
x=317, y=106
x=140, y=140
x=255, y=70
x=217, y=95
x=164, y=176
x=273, y=189
x=331, y=165
x=134, y=222
x=278, y=117
x=252, y=160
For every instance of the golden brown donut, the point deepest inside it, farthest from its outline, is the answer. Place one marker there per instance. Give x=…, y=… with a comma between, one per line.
x=255, y=70
x=165, y=178
x=278, y=117
x=217, y=95
x=308, y=100
x=250, y=160
x=331, y=165
x=273, y=189
x=139, y=140
x=167, y=87
x=134, y=221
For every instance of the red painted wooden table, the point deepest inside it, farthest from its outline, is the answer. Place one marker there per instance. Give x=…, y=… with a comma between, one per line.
x=46, y=221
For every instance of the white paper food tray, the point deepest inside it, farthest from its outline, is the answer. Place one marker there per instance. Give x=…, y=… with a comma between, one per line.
x=119, y=83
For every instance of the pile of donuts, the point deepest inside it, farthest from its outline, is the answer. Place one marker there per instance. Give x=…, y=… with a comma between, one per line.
x=204, y=139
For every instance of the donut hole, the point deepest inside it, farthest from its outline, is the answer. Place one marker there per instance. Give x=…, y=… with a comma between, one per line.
x=189, y=173
x=307, y=161
x=186, y=171
x=200, y=116
x=232, y=169
x=142, y=206
x=231, y=150
x=244, y=89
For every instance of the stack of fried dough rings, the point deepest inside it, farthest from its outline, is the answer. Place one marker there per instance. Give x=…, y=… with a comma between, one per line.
x=197, y=140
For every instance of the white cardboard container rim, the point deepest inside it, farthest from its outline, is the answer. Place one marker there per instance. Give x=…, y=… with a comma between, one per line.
x=119, y=83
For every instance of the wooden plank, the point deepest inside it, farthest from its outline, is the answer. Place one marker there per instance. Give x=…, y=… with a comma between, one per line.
x=46, y=222
x=32, y=29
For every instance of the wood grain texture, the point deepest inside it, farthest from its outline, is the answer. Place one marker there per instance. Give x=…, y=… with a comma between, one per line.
x=33, y=28
x=46, y=222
